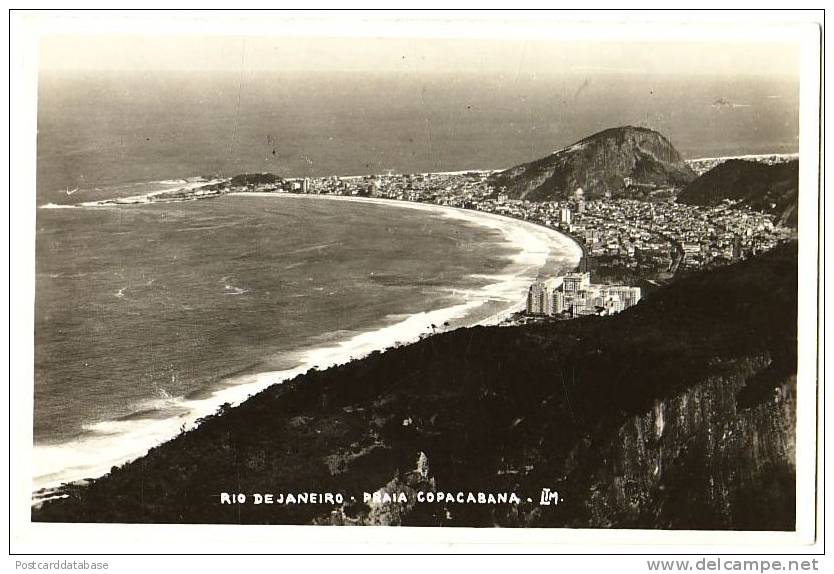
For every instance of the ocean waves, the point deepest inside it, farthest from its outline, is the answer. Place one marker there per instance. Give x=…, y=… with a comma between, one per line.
x=480, y=297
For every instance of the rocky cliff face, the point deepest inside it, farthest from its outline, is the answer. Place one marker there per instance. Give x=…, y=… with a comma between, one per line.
x=677, y=413
x=600, y=164
x=695, y=460
x=699, y=459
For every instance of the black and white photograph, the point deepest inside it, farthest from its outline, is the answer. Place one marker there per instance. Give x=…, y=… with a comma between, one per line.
x=507, y=273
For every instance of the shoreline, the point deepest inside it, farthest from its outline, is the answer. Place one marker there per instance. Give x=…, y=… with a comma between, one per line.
x=751, y=156
x=499, y=221
x=537, y=247
x=415, y=205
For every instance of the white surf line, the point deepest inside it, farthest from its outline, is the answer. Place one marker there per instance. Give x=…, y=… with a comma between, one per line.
x=149, y=197
x=535, y=243
x=127, y=440
x=486, y=218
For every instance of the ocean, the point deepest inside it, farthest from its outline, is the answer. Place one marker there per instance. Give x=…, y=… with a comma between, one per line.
x=148, y=317
x=112, y=128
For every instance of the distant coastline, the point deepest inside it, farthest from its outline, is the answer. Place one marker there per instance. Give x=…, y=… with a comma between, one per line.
x=536, y=240
x=206, y=189
x=538, y=247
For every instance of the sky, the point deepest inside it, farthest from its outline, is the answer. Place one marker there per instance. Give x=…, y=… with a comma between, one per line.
x=582, y=50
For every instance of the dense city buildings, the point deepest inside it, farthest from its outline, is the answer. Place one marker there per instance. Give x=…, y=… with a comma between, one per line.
x=575, y=296
x=651, y=237
x=540, y=296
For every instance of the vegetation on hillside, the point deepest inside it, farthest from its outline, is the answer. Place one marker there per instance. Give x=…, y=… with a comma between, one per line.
x=772, y=188
x=627, y=417
x=254, y=179
x=600, y=164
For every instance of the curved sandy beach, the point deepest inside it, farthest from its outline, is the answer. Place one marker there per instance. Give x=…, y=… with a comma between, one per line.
x=540, y=251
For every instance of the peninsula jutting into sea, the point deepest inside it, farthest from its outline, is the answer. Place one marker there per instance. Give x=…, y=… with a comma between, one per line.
x=640, y=412
x=630, y=225
x=630, y=221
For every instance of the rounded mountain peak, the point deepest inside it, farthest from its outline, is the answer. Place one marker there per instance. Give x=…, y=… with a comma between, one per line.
x=616, y=161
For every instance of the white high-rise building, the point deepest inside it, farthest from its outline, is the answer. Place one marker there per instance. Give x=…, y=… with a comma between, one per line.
x=576, y=295
x=627, y=295
x=536, y=298
x=540, y=296
x=575, y=282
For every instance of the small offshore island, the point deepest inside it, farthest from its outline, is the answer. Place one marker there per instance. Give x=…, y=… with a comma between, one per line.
x=678, y=412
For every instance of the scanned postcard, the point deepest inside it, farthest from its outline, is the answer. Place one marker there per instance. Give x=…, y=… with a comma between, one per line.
x=539, y=278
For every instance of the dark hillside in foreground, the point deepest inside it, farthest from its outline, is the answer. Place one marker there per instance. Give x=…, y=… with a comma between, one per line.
x=678, y=413
x=773, y=188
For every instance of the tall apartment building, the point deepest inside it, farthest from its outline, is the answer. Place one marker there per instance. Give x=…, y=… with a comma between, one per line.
x=575, y=282
x=536, y=297
x=540, y=296
x=627, y=295
x=577, y=296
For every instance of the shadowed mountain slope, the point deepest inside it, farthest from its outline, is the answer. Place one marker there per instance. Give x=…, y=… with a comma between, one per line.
x=598, y=164
x=773, y=188
x=677, y=413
